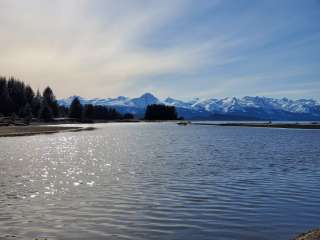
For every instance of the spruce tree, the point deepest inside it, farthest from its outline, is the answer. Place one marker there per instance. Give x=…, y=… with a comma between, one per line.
x=160, y=112
x=27, y=113
x=36, y=104
x=16, y=91
x=51, y=101
x=75, y=109
x=45, y=113
x=29, y=94
x=88, y=112
x=128, y=116
x=6, y=103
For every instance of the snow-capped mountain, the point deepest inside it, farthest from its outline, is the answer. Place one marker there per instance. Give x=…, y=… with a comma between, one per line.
x=145, y=100
x=249, y=108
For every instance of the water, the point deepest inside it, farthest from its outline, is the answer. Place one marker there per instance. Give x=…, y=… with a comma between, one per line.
x=160, y=181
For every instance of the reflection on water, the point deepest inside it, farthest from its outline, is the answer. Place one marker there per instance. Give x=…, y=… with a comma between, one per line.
x=160, y=181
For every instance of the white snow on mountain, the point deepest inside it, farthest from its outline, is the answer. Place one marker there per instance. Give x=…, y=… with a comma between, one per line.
x=177, y=103
x=214, y=105
x=145, y=100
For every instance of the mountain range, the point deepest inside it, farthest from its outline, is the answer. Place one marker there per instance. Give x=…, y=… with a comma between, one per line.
x=230, y=108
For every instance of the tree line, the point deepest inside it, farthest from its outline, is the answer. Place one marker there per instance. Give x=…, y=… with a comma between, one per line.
x=18, y=100
x=160, y=112
x=89, y=112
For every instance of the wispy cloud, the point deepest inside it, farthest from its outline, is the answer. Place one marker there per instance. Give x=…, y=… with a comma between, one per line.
x=78, y=47
x=105, y=48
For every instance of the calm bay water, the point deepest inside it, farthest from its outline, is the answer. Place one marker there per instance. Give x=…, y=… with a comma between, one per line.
x=160, y=181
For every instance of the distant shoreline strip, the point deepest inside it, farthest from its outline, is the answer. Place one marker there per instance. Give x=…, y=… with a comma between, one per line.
x=263, y=125
x=16, y=131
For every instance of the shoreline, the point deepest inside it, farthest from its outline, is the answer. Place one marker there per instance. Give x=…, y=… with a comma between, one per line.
x=36, y=128
x=30, y=130
x=264, y=125
x=310, y=235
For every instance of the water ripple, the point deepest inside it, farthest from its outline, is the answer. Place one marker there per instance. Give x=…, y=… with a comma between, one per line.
x=160, y=181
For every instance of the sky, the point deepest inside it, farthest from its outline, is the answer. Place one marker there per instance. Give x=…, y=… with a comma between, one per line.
x=177, y=48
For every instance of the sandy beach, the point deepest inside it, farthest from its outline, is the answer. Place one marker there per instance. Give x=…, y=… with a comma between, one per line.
x=12, y=131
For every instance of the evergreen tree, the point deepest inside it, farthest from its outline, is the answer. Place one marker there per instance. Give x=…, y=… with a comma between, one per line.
x=16, y=98
x=63, y=111
x=128, y=116
x=6, y=103
x=27, y=113
x=16, y=91
x=36, y=104
x=105, y=113
x=45, y=113
x=88, y=112
x=160, y=112
x=29, y=94
x=14, y=95
x=3, y=84
x=48, y=95
x=51, y=101
x=75, y=109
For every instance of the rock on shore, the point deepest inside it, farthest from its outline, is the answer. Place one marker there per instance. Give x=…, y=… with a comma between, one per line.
x=311, y=235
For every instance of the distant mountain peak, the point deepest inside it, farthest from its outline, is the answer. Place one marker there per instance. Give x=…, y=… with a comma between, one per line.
x=144, y=100
x=254, y=107
x=170, y=100
x=148, y=95
x=122, y=98
x=74, y=96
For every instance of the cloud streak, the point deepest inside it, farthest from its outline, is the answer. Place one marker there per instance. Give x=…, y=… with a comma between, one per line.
x=103, y=48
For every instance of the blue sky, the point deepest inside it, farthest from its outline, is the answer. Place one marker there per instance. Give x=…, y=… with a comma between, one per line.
x=177, y=48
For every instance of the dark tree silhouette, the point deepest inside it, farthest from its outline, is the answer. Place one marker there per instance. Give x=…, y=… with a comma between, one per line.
x=105, y=113
x=36, y=104
x=27, y=113
x=29, y=94
x=14, y=97
x=63, y=111
x=45, y=112
x=88, y=112
x=75, y=109
x=6, y=103
x=16, y=91
x=48, y=95
x=128, y=116
x=51, y=101
x=19, y=101
x=160, y=112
